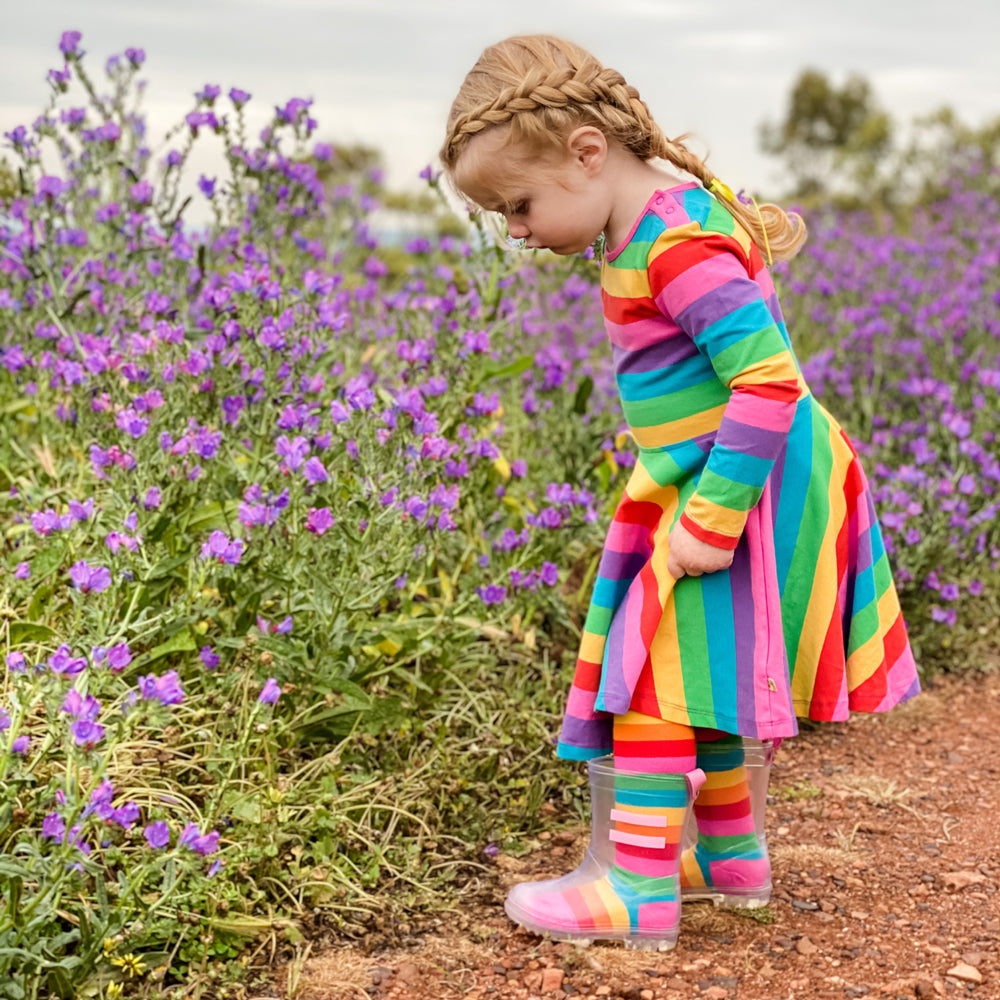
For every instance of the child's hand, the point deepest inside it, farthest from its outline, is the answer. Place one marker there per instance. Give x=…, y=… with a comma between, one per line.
x=690, y=556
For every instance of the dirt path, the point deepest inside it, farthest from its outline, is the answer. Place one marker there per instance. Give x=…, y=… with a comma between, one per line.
x=885, y=841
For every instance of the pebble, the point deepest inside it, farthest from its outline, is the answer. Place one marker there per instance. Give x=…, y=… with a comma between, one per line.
x=966, y=973
x=805, y=947
x=552, y=979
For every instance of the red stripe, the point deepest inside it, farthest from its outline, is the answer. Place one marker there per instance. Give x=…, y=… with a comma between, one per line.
x=829, y=673
x=779, y=392
x=587, y=675
x=715, y=538
x=626, y=748
x=726, y=810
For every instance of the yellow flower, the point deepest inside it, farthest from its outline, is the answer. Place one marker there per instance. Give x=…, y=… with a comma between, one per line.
x=130, y=963
x=114, y=991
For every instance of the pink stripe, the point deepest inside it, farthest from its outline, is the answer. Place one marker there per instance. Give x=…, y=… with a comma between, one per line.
x=636, y=840
x=641, y=333
x=637, y=819
x=659, y=865
x=763, y=278
x=695, y=281
x=899, y=681
x=580, y=703
x=627, y=538
x=758, y=411
x=725, y=827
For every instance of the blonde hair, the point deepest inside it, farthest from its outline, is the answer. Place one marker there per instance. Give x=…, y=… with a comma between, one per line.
x=541, y=88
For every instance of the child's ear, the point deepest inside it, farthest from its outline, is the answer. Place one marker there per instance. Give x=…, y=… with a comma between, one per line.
x=588, y=146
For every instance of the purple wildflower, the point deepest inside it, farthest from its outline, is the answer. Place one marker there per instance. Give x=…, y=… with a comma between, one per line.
x=87, y=578
x=22, y=571
x=20, y=744
x=157, y=834
x=209, y=657
x=319, y=520
x=87, y=733
x=201, y=843
x=219, y=546
x=270, y=692
x=166, y=688
x=54, y=826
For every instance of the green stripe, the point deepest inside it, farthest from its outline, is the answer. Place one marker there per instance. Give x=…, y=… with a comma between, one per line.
x=728, y=492
x=692, y=644
x=675, y=405
x=598, y=620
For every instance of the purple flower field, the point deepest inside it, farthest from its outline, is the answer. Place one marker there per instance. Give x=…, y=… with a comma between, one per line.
x=296, y=522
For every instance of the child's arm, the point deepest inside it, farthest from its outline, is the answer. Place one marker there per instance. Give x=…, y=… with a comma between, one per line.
x=704, y=285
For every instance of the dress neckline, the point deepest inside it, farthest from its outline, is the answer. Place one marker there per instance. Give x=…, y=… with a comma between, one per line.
x=610, y=255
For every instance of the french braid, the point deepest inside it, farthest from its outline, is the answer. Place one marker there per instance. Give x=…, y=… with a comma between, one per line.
x=541, y=88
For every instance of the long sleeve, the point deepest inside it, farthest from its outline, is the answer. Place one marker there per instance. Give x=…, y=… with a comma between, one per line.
x=705, y=286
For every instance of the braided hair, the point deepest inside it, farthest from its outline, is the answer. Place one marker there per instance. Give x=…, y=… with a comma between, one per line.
x=540, y=88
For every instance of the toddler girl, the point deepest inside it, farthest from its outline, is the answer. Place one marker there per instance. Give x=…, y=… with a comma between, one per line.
x=744, y=581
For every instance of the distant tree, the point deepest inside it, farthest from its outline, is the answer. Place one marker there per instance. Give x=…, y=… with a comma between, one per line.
x=8, y=182
x=830, y=135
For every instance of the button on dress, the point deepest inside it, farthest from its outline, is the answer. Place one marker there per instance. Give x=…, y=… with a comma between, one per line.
x=731, y=443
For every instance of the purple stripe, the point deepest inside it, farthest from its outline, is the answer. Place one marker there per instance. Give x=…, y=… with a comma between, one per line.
x=743, y=625
x=748, y=439
x=622, y=565
x=717, y=303
x=589, y=734
x=662, y=354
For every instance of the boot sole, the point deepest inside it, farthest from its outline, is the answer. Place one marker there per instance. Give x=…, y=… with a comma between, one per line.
x=636, y=941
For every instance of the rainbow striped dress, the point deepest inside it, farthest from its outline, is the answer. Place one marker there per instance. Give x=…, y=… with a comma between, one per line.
x=731, y=443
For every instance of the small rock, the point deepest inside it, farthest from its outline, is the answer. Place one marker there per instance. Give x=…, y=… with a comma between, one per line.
x=647, y=995
x=805, y=947
x=715, y=993
x=924, y=989
x=973, y=958
x=603, y=991
x=499, y=970
x=565, y=838
x=408, y=973
x=552, y=979
x=805, y=904
x=961, y=880
x=379, y=974
x=533, y=980
x=966, y=973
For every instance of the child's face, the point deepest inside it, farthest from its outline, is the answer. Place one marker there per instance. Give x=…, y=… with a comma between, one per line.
x=556, y=202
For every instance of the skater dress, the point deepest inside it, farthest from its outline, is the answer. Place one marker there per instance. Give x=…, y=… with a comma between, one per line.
x=731, y=443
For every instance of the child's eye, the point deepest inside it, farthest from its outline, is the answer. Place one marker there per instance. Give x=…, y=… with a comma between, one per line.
x=521, y=208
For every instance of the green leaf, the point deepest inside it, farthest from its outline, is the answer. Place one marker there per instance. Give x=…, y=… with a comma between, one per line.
x=25, y=632
x=182, y=642
x=166, y=566
x=212, y=515
x=500, y=369
x=583, y=391
x=47, y=561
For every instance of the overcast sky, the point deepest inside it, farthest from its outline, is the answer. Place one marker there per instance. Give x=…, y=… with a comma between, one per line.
x=384, y=72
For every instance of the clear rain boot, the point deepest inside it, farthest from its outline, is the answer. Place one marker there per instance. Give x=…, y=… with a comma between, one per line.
x=626, y=889
x=725, y=849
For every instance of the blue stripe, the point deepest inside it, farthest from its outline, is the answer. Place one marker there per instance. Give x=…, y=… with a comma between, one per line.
x=795, y=480
x=694, y=370
x=609, y=593
x=714, y=338
x=720, y=631
x=740, y=467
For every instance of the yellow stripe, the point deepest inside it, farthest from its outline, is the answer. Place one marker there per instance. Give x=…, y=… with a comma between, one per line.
x=615, y=908
x=658, y=435
x=690, y=872
x=777, y=368
x=668, y=677
x=715, y=780
x=592, y=647
x=868, y=657
x=714, y=517
x=626, y=283
x=822, y=600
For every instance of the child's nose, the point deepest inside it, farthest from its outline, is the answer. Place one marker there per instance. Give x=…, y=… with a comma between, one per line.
x=518, y=230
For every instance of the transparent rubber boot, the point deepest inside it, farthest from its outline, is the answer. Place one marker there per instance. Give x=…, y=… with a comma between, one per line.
x=725, y=856
x=626, y=889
